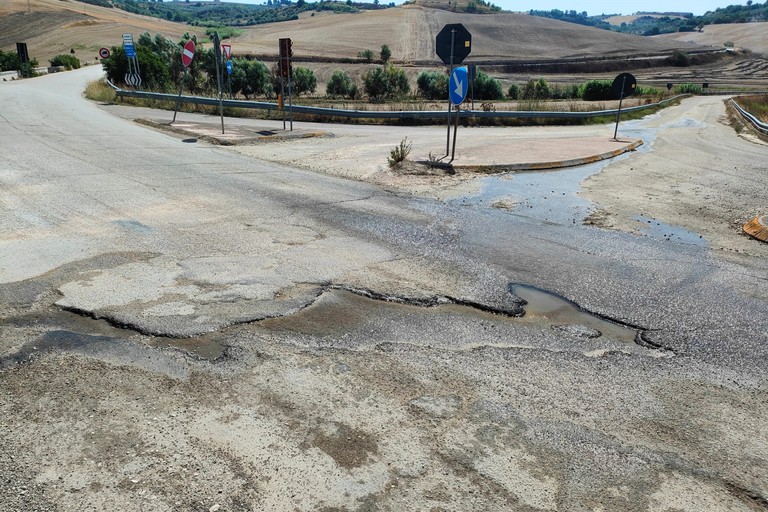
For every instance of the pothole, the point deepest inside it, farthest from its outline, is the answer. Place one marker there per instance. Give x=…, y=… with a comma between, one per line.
x=568, y=317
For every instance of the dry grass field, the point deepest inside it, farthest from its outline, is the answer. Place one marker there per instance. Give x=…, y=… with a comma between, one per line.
x=51, y=27
x=751, y=36
x=55, y=26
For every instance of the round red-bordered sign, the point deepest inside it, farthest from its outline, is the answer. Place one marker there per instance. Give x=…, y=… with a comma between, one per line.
x=104, y=53
x=188, y=53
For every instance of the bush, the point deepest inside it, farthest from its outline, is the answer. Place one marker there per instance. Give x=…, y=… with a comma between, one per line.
x=536, y=90
x=688, y=89
x=385, y=54
x=513, y=92
x=339, y=85
x=66, y=60
x=9, y=61
x=679, y=59
x=432, y=85
x=385, y=83
x=366, y=55
x=596, y=90
x=250, y=78
x=303, y=81
x=487, y=88
x=399, y=153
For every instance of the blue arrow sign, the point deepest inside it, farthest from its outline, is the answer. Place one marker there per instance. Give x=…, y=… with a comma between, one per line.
x=130, y=50
x=229, y=67
x=458, y=85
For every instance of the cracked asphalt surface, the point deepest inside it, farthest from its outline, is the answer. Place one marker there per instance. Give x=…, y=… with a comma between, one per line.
x=186, y=328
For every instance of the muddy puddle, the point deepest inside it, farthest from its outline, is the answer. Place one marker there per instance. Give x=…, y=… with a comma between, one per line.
x=566, y=316
x=342, y=319
x=340, y=314
x=73, y=330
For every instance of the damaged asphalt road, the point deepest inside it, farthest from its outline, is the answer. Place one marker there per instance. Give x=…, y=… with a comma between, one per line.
x=182, y=328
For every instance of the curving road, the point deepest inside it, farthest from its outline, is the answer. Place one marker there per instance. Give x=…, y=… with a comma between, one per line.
x=185, y=327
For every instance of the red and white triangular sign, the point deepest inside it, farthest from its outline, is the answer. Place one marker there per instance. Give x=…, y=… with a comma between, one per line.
x=227, y=50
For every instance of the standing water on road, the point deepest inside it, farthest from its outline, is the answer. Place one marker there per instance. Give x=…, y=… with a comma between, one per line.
x=550, y=196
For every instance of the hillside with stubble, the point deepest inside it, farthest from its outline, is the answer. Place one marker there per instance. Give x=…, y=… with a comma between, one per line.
x=56, y=26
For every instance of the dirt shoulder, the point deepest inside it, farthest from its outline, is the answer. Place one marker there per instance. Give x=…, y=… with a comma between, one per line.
x=700, y=174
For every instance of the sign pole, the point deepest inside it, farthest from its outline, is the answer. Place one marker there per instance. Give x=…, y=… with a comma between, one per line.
x=455, y=129
x=282, y=99
x=178, y=100
x=618, y=114
x=217, y=58
x=290, y=100
x=448, y=137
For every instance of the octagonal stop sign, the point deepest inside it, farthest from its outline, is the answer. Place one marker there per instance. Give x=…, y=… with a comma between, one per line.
x=454, y=40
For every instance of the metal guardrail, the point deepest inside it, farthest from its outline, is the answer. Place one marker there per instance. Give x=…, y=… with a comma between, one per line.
x=759, y=125
x=385, y=114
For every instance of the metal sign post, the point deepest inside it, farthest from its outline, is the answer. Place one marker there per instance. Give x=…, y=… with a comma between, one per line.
x=452, y=44
x=448, y=137
x=623, y=85
x=286, y=70
x=21, y=51
x=133, y=76
x=458, y=84
x=187, y=54
x=217, y=57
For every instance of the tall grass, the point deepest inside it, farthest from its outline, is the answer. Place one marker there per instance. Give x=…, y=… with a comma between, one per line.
x=99, y=90
x=755, y=105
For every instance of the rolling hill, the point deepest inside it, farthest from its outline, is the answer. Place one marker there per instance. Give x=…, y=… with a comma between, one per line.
x=56, y=26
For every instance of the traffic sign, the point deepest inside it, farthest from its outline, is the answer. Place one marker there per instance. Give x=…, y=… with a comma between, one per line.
x=130, y=49
x=229, y=67
x=133, y=79
x=104, y=53
x=624, y=85
x=227, y=51
x=458, y=85
x=453, y=40
x=188, y=53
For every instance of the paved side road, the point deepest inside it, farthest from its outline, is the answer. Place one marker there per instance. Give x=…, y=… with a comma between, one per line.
x=186, y=328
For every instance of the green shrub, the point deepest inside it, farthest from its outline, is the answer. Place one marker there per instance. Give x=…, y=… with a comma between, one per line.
x=385, y=54
x=679, y=59
x=487, y=88
x=513, y=92
x=303, y=81
x=250, y=78
x=596, y=90
x=9, y=61
x=432, y=85
x=536, y=90
x=688, y=89
x=339, y=85
x=399, y=153
x=385, y=83
x=366, y=55
x=66, y=60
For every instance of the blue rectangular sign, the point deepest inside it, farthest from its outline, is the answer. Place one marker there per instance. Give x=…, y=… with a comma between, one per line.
x=130, y=51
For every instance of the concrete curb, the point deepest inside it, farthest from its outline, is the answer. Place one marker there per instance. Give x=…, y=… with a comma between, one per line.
x=233, y=138
x=535, y=166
